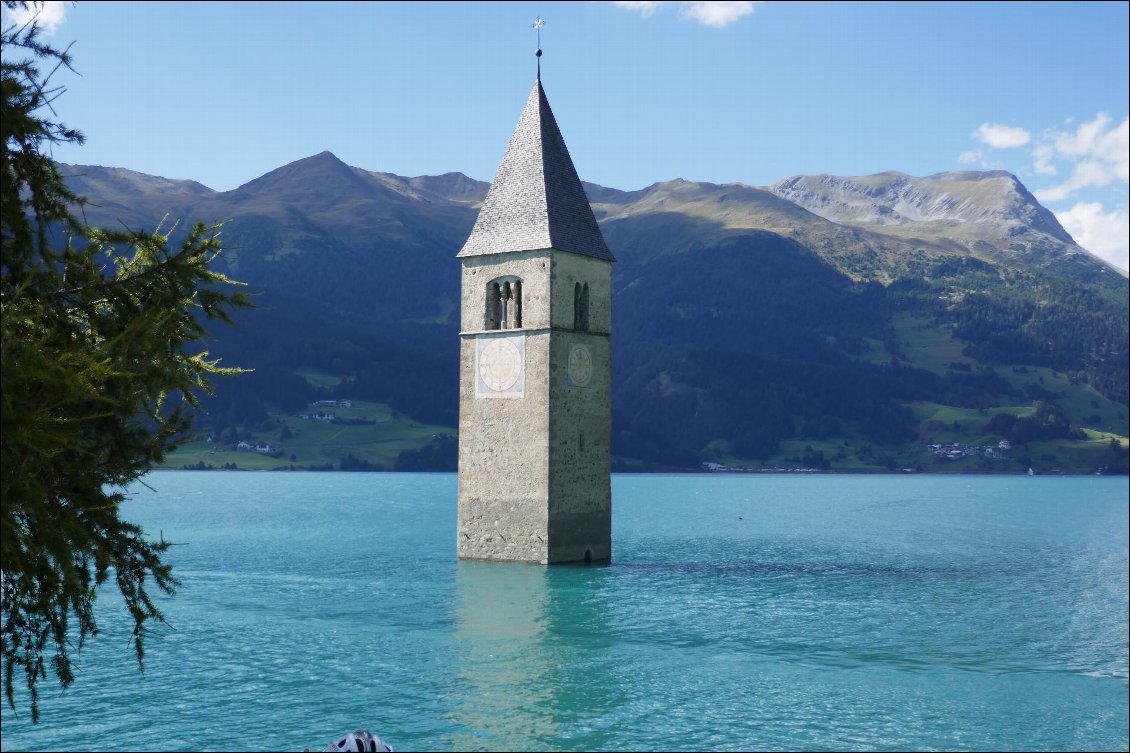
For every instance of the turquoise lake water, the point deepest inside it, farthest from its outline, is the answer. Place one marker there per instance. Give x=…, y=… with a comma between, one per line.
x=739, y=612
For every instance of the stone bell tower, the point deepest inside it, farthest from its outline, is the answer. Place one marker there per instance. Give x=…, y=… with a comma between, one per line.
x=535, y=384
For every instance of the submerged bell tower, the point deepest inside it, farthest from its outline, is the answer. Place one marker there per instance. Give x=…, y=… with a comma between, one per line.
x=535, y=360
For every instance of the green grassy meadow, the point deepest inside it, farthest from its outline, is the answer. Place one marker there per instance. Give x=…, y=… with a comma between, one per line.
x=373, y=435
x=306, y=443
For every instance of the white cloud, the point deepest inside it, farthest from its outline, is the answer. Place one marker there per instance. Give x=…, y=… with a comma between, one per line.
x=1001, y=136
x=1099, y=155
x=1044, y=154
x=49, y=14
x=1116, y=150
x=1082, y=143
x=645, y=9
x=1087, y=174
x=973, y=155
x=1107, y=235
x=716, y=14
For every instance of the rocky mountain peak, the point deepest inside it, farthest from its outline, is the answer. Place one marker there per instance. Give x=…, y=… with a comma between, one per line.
x=992, y=207
x=894, y=198
x=320, y=170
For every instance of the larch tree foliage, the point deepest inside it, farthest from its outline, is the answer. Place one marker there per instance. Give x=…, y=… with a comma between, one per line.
x=102, y=337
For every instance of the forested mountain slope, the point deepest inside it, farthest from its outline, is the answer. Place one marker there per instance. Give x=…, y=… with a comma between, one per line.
x=842, y=322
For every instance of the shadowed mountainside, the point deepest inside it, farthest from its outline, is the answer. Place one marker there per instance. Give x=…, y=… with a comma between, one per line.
x=747, y=320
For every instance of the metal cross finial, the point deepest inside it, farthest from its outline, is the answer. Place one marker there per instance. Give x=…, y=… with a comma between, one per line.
x=538, y=23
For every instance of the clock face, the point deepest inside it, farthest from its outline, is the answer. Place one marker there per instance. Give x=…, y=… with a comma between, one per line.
x=500, y=367
x=580, y=365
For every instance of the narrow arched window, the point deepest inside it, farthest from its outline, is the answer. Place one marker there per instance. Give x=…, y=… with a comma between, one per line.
x=503, y=304
x=585, y=307
x=494, y=300
x=577, y=305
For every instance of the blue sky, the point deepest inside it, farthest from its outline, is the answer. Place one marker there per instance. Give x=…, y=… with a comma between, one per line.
x=644, y=91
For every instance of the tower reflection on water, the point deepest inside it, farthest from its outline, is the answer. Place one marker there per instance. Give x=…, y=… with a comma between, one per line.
x=535, y=662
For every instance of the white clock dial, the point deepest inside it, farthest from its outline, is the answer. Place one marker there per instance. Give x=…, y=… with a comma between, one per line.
x=500, y=365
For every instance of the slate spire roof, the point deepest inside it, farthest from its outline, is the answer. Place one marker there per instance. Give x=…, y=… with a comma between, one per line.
x=536, y=200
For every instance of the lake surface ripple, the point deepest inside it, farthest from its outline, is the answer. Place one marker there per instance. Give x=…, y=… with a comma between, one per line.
x=740, y=612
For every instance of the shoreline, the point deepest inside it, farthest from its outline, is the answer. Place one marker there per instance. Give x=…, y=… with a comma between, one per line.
x=676, y=472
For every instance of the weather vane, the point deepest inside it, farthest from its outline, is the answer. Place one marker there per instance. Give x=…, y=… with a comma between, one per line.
x=538, y=23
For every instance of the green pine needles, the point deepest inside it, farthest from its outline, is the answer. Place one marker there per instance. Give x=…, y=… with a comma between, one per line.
x=101, y=361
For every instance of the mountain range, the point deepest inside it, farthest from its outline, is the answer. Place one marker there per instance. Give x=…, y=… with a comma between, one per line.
x=838, y=322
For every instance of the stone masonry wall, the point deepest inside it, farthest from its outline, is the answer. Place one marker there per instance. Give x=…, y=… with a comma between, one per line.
x=580, y=417
x=503, y=443
x=534, y=471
